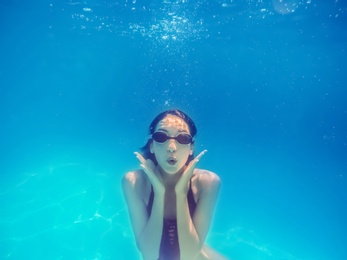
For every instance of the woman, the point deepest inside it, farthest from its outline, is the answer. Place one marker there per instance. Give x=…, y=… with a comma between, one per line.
x=170, y=202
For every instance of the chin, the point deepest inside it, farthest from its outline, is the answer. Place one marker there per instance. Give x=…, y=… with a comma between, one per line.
x=172, y=170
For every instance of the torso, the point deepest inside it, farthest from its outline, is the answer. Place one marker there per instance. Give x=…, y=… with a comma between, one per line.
x=169, y=246
x=170, y=195
x=200, y=181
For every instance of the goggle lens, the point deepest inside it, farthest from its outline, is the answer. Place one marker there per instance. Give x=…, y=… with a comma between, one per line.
x=161, y=137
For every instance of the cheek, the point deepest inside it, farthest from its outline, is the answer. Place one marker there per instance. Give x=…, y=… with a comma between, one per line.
x=159, y=151
x=157, y=147
x=186, y=152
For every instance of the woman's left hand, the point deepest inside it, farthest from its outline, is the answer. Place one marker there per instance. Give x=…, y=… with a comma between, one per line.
x=182, y=184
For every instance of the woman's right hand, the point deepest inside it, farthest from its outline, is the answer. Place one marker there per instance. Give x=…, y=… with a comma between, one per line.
x=152, y=173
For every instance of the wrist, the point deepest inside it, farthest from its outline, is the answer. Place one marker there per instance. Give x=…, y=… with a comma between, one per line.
x=181, y=194
x=181, y=191
x=159, y=191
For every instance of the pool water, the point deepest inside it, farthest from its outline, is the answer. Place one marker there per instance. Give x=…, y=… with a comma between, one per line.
x=264, y=81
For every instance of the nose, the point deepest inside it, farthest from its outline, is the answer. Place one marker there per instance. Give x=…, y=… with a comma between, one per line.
x=171, y=146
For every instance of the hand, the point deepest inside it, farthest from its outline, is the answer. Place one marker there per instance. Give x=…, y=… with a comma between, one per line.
x=152, y=173
x=182, y=184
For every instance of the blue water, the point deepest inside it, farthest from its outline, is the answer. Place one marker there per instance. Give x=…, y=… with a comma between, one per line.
x=265, y=82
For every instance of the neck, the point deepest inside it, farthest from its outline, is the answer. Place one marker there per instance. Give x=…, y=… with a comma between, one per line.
x=170, y=179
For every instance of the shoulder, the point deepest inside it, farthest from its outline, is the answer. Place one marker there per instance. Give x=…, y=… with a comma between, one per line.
x=134, y=180
x=206, y=180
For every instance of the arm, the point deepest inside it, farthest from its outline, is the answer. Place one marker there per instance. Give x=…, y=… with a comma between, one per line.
x=192, y=232
x=144, y=227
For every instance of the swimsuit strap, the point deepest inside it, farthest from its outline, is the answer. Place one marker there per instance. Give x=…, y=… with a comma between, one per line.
x=191, y=200
x=150, y=202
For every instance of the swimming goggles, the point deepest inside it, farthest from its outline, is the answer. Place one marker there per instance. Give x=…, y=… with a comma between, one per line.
x=161, y=137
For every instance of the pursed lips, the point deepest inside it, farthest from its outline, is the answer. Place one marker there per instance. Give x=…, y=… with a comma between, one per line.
x=171, y=160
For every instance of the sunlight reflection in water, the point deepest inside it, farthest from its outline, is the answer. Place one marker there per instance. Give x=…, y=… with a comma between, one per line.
x=68, y=210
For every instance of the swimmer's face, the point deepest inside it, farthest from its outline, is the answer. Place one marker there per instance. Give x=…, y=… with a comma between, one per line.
x=171, y=155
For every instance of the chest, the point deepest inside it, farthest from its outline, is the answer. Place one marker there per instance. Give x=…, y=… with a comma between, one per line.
x=170, y=207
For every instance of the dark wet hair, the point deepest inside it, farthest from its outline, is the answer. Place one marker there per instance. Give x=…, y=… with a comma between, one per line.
x=146, y=153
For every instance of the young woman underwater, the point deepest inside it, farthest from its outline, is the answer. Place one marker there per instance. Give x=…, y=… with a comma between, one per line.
x=170, y=202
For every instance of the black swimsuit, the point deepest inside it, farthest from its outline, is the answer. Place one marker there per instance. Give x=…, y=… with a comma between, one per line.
x=169, y=246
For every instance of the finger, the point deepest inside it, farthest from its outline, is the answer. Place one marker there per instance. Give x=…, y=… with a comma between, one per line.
x=146, y=170
x=197, y=158
x=140, y=157
x=192, y=164
x=153, y=178
x=150, y=163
